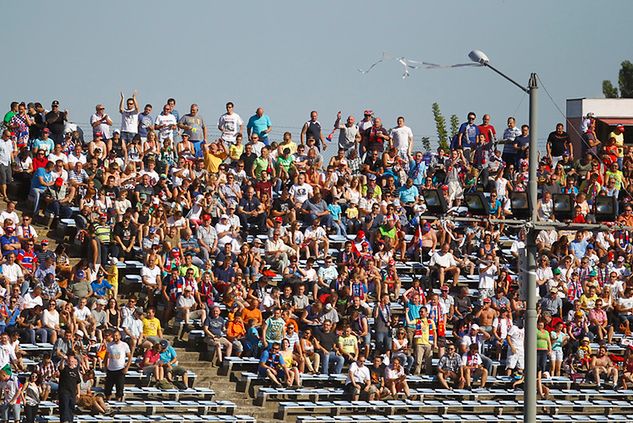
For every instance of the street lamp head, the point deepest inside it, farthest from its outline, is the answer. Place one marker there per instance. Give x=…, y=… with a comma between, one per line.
x=479, y=56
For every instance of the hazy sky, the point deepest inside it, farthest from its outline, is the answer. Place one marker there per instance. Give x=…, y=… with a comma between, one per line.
x=294, y=56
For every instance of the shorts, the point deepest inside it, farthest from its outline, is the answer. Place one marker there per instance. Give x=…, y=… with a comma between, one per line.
x=177, y=370
x=128, y=136
x=6, y=175
x=516, y=361
x=556, y=355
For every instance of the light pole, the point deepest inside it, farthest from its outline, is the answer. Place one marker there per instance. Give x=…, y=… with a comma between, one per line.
x=530, y=372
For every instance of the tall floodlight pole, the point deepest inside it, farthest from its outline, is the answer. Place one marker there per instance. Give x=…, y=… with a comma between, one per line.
x=530, y=372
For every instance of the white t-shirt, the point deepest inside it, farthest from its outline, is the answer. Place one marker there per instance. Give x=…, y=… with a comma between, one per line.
x=61, y=156
x=117, y=355
x=129, y=121
x=401, y=137
x=82, y=313
x=230, y=126
x=72, y=159
x=12, y=215
x=301, y=192
x=103, y=127
x=487, y=277
x=149, y=275
x=30, y=302
x=360, y=374
x=12, y=272
x=165, y=132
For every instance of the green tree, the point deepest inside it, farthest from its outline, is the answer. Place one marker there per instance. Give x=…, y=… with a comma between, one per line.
x=440, y=125
x=625, y=82
x=426, y=143
x=454, y=124
x=609, y=90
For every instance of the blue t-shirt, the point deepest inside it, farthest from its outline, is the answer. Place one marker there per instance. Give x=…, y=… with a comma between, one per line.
x=47, y=145
x=46, y=176
x=335, y=211
x=100, y=288
x=469, y=139
x=258, y=125
x=578, y=248
x=408, y=195
x=417, y=172
x=168, y=355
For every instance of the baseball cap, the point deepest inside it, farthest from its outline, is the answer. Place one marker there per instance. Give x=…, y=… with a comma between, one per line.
x=59, y=182
x=55, y=103
x=46, y=131
x=426, y=227
x=102, y=301
x=98, y=134
x=224, y=216
x=79, y=333
x=360, y=234
x=164, y=343
x=206, y=217
x=621, y=258
x=175, y=251
x=620, y=127
x=278, y=219
x=553, y=290
x=556, y=271
x=474, y=326
x=593, y=273
x=487, y=300
x=368, y=112
x=45, y=242
x=81, y=274
x=444, y=288
x=187, y=288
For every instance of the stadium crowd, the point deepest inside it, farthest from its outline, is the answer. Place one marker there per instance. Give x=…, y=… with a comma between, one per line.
x=235, y=234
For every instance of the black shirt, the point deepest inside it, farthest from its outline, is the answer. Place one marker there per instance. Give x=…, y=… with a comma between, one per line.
x=68, y=380
x=55, y=122
x=327, y=340
x=127, y=235
x=248, y=162
x=558, y=143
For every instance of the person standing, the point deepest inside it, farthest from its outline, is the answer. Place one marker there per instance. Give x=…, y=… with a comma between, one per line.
x=230, y=125
x=68, y=390
x=100, y=122
x=259, y=124
x=193, y=125
x=118, y=359
x=8, y=151
x=32, y=391
x=312, y=128
x=56, y=122
x=402, y=139
x=129, y=118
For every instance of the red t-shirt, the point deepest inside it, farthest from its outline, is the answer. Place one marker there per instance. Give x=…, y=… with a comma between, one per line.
x=487, y=130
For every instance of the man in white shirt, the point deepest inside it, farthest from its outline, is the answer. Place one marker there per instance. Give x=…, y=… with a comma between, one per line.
x=230, y=124
x=487, y=277
x=101, y=122
x=8, y=151
x=277, y=251
x=165, y=124
x=118, y=359
x=358, y=378
x=129, y=118
x=300, y=191
x=402, y=139
x=445, y=264
x=10, y=214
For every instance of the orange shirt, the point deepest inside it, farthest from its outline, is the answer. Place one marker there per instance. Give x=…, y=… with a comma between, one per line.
x=256, y=314
x=235, y=330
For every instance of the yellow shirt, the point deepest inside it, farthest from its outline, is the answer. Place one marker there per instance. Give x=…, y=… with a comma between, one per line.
x=619, y=141
x=351, y=212
x=291, y=145
x=212, y=162
x=423, y=332
x=348, y=343
x=150, y=326
x=235, y=151
x=113, y=276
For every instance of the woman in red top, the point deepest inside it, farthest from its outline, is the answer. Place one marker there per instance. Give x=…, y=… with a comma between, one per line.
x=151, y=365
